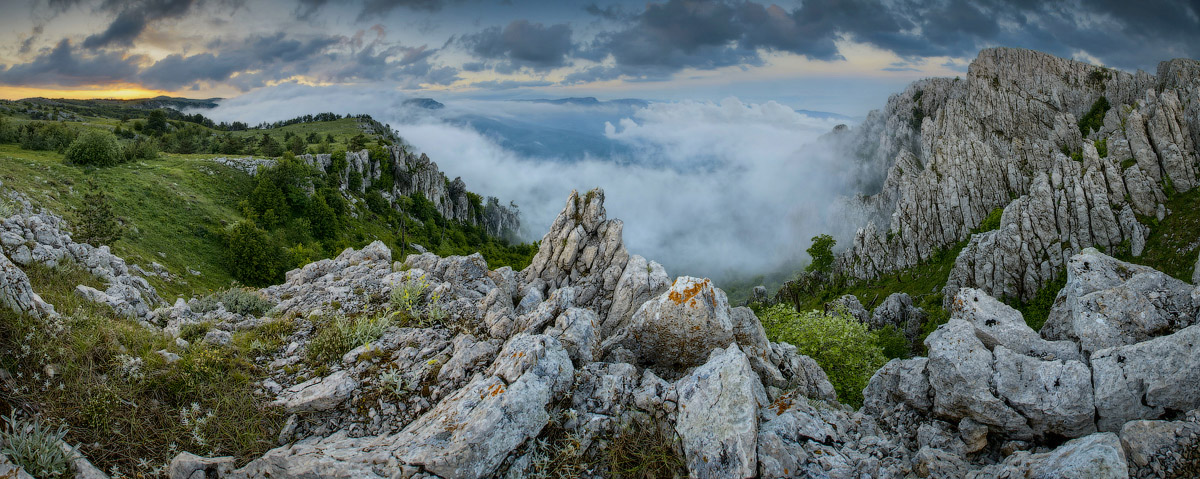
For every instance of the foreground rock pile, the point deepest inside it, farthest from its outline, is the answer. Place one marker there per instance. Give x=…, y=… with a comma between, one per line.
x=589, y=340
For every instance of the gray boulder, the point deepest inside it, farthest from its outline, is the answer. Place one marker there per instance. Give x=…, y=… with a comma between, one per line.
x=17, y=294
x=1148, y=379
x=999, y=324
x=190, y=466
x=718, y=416
x=678, y=329
x=318, y=394
x=960, y=371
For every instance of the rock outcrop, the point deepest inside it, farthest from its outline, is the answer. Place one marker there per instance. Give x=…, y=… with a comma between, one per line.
x=1006, y=136
x=404, y=174
x=27, y=238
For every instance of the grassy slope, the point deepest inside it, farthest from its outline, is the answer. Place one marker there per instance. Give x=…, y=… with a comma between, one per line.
x=1175, y=241
x=170, y=206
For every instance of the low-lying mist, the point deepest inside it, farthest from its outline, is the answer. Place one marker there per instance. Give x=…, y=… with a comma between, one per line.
x=721, y=190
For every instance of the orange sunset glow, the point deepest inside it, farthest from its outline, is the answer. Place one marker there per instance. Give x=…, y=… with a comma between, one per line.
x=119, y=92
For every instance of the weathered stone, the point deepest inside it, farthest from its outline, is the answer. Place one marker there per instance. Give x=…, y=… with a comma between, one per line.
x=678, y=329
x=319, y=394
x=190, y=466
x=998, y=324
x=718, y=416
x=1148, y=379
x=17, y=294
x=960, y=369
x=1054, y=396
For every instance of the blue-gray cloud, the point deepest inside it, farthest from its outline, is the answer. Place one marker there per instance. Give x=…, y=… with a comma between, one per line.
x=65, y=66
x=523, y=44
x=133, y=19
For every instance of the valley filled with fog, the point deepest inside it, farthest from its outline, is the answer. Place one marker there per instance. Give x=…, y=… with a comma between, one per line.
x=719, y=189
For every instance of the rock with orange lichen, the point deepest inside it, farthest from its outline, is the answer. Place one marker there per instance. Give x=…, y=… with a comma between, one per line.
x=678, y=329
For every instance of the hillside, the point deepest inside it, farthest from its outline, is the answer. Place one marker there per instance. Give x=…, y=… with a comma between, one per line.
x=174, y=208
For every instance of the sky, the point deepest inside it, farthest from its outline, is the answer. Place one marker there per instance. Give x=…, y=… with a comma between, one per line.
x=842, y=56
x=721, y=173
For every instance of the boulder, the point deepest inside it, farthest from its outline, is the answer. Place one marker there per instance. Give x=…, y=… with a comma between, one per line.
x=17, y=294
x=678, y=329
x=1107, y=302
x=1054, y=396
x=641, y=281
x=318, y=394
x=998, y=324
x=1148, y=379
x=190, y=466
x=960, y=372
x=718, y=416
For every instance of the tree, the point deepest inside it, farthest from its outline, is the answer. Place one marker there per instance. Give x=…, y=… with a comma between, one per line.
x=253, y=258
x=97, y=223
x=95, y=148
x=322, y=218
x=268, y=202
x=156, y=122
x=358, y=142
x=269, y=147
x=821, y=253
x=296, y=145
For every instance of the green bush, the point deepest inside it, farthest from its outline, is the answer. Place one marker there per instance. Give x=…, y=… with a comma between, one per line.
x=1093, y=120
x=141, y=149
x=839, y=343
x=892, y=342
x=254, y=258
x=95, y=148
x=991, y=222
x=46, y=136
x=1102, y=147
x=236, y=300
x=35, y=447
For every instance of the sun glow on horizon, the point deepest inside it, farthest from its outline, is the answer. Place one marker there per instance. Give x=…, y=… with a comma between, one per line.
x=125, y=92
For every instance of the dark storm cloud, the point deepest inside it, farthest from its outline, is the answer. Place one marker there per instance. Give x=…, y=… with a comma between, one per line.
x=281, y=56
x=611, y=12
x=523, y=44
x=706, y=34
x=378, y=8
x=133, y=19
x=65, y=66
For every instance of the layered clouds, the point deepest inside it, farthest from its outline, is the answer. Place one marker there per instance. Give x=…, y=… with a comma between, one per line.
x=235, y=45
x=707, y=188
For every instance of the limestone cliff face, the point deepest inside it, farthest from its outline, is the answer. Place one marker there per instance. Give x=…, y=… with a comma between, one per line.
x=1007, y=136
x=412, y=174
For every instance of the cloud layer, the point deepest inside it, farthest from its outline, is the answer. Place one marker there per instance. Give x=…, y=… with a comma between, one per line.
x=706, y=188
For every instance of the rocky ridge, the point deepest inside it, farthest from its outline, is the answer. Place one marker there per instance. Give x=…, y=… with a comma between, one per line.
x=1007, y=136
x=410, y=174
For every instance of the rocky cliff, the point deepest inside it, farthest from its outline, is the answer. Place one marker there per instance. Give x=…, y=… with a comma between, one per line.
x=1008, y=135
x=406, y=174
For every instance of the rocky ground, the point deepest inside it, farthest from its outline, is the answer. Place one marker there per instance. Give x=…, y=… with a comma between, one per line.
x=519, y=374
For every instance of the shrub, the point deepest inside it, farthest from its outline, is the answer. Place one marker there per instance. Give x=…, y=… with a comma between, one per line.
x=35, y=447
x=991, y=222
x=322, y=218
x=143, y=149
x=337, y=337
x=95, y=148
x=839, y=343
x=1093, y=120
x=98, y=225
x=254, y=258
x=46, y=136
x=821, y=253
x=1102, y=147
x=296, y=145
x=236, y=300
x=892, y=342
